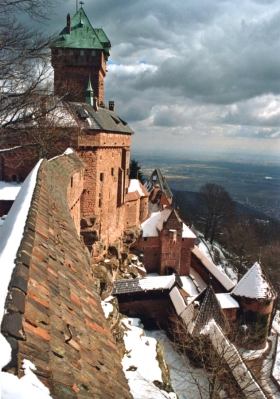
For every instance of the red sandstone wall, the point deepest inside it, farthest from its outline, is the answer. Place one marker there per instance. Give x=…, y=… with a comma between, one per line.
x=158, y=308
x=106, y=183
x=20, y=162
x=261, y=307
x=144, y=208
x=132, y=209
x=74, y=192
x=149, y=246
x=72, y=71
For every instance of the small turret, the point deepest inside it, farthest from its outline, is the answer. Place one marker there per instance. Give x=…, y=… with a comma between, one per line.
x=89, y=93
x=256, y=296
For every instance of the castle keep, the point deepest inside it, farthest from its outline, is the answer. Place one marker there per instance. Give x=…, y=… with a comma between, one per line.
x=86, y=215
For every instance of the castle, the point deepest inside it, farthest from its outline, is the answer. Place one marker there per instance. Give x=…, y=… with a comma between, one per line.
x=87, y=193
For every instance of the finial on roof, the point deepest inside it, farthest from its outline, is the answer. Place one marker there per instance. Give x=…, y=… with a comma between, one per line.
x=81, y=2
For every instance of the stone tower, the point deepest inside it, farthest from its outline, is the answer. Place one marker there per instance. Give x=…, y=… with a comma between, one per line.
x=79, y=52
x=256, y=297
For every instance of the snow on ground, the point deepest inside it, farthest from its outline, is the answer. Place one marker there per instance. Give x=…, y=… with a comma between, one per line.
x=28, y=387
x=188, y=382
x=140, y=364
x=11, y=387
x=107, y=306
x=9, y=190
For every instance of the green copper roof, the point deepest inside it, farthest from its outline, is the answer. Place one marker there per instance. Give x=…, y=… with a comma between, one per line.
x=82, y=35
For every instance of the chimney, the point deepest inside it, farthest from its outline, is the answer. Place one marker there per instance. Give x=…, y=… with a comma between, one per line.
x=95, y=104
x=112, y=106
x=68, y=24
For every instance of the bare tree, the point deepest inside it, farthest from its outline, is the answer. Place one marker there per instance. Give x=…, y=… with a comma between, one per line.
x=216, y=368
x=215, y=207
x=25, y=71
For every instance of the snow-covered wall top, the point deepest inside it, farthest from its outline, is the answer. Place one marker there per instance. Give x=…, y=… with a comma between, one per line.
x=11, y=233
x=217, y=273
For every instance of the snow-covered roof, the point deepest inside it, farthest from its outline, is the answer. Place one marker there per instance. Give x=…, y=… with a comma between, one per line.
x=177, y=300
x=227, y=301
x=254, y=284
x=187, y=233
x=9, y=190
x=213, y=269
x=135, y=185
x=191, y=285
x=154, y=224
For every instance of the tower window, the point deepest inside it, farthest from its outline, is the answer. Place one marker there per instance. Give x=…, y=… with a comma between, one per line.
x=112, y=171
x=82, y=52
x=101, y=176
x=93, y=53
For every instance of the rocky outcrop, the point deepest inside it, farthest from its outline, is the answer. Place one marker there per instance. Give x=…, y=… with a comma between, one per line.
x=111, y=269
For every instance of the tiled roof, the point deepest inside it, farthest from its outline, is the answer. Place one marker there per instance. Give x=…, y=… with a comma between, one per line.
x=157, y=178
x=143, y=284
x=103, y=119
x=210, y=309
x=255, y=284
x=82, y=35
x=54, y=316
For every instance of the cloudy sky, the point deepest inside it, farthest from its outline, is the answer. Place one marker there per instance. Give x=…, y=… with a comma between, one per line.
x=192, y=76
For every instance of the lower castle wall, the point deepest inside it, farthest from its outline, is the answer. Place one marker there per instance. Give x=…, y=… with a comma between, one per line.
x=152, y=308
x=149, y=246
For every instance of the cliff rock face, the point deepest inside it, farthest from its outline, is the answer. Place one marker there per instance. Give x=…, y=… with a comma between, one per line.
x=111, y=269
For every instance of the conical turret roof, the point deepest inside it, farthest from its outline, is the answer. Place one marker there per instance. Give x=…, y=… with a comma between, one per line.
x=254, y=284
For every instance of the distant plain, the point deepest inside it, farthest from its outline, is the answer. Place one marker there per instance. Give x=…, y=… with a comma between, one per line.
x=253, y=183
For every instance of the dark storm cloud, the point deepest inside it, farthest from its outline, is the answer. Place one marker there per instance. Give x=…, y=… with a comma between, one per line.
x=191, y=66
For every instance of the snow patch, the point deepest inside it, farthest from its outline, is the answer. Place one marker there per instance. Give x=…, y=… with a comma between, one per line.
x=9, y=190
x=140, y=364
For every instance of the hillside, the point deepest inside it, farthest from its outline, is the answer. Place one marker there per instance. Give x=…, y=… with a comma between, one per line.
x=186, y=201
